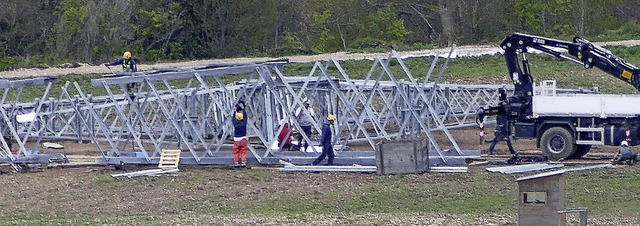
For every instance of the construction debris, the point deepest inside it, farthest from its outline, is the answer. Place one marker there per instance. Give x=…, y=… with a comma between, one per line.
x=479, y=163
x=169, y=160
x=288, y=167
x=599, y=166
x=151, y=172
x=523, y=168
x=52, y=145
x=355, y=169
x=449, y=169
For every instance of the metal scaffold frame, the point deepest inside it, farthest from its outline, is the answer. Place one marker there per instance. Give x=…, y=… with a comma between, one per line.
x=191, y=109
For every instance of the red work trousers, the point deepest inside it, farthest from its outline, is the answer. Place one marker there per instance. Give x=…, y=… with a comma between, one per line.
x=240, y=151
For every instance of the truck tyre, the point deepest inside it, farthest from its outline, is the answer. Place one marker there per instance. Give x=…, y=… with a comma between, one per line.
x=557, y=143
x=581, y=150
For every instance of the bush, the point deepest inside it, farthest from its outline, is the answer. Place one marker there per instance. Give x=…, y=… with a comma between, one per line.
x=628, y=30
x=8, y=63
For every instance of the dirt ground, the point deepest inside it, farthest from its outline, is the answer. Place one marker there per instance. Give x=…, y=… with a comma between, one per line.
x=466, y=139
x=77, y=192
x=66, y=189
x=75, y=196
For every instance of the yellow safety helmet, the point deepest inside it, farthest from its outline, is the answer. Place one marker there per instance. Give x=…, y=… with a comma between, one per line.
x=239, y=116
x=126, y=55
x=331, y=118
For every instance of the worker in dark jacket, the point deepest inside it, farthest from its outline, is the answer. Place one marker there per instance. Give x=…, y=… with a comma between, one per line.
x=625, y=154
x=325, y=141
x=240, y=140
x=129, y=64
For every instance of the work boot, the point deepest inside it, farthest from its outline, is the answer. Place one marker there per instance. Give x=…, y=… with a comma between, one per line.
x=236, y=165
x=630, y=162
x=243, y=165
x=514, y=160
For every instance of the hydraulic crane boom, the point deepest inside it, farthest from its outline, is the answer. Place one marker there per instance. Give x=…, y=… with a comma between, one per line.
x=580, y=51
x=515, y=113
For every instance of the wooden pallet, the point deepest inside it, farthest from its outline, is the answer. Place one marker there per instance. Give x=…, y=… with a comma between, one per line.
x=169, y=159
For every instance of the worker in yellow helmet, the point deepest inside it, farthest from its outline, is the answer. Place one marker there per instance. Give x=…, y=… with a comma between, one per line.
x=129, y=64
x=240, y=140
x=325, y=141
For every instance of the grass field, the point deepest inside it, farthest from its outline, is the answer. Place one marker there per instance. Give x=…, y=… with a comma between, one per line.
x=264, y=196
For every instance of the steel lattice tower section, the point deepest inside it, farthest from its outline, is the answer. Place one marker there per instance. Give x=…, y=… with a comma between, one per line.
x=191, y=108
x=196, y=117
x=23, y=124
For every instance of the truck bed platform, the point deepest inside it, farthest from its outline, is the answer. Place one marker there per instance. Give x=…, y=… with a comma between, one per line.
x=586, y=105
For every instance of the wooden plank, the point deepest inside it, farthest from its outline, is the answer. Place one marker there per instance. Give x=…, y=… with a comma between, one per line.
x=479, y=163
x=150, y=172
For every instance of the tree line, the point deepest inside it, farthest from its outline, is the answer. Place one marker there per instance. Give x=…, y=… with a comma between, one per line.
x=95, y=31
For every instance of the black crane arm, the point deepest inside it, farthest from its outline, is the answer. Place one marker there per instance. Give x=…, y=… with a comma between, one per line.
x=580, y=51
x=596, y=56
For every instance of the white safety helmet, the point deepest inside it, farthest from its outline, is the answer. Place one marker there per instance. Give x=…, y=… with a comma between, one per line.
x=624, y=143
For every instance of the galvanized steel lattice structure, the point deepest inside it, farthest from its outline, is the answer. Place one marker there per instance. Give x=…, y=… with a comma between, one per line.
x=191, y=109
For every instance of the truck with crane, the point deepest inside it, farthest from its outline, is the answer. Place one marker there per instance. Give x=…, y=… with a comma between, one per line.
x=563, y=125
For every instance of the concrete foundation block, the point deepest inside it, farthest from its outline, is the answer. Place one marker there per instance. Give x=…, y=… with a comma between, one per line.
x=402, y=156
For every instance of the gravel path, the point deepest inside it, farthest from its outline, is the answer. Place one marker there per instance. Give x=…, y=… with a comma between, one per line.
x=461, y=51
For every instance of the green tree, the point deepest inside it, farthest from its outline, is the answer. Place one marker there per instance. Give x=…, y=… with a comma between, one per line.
x=382, y=26
x=546, y=17
x=604, y=15
x=325, y=41
x=530, y=15
x=73, y=15
x=391, y=28
x=90, y=30
x=158, y=23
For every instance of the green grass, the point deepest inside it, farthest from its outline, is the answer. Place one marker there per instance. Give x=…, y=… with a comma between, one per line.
x=104, y=179
x=198, y=194
x=605, y=190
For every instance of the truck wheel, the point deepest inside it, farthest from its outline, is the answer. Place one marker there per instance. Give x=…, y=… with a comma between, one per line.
x=557, y=143
x=581, y=150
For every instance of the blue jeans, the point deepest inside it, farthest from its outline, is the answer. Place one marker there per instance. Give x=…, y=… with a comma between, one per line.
x=627, y=157
x=307, y=131
x=327, y=150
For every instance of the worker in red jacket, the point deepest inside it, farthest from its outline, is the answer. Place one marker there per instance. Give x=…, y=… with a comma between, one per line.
x=284, y=138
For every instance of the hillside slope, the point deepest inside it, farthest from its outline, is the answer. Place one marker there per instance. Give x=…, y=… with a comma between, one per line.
x=460, y=51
